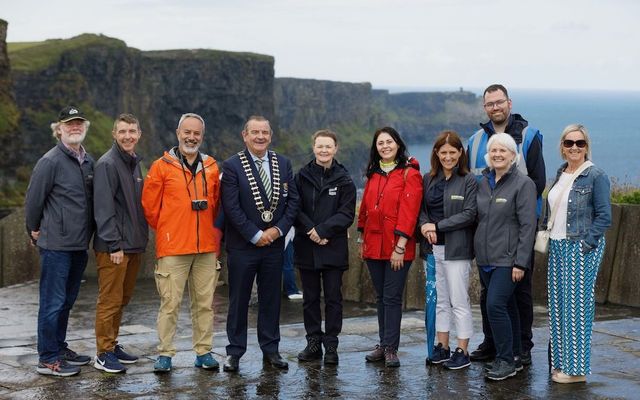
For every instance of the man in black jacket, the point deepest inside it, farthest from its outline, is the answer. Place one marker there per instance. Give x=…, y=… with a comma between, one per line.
x=59, y=219
x=121, y=238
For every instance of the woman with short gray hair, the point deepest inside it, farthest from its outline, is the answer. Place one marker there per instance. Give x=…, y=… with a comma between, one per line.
x=502, y=243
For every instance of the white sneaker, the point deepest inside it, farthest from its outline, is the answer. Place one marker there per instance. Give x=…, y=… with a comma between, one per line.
x=295, y=296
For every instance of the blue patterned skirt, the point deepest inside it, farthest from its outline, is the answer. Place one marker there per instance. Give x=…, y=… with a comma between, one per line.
x=571, y=284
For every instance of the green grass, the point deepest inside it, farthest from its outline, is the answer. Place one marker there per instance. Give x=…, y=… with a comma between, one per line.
x=36, y=56
x=628, y=196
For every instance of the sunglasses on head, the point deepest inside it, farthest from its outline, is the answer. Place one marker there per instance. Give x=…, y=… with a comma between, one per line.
x=581, y=143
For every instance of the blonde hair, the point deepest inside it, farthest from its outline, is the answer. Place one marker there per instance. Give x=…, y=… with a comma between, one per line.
x=576, y=128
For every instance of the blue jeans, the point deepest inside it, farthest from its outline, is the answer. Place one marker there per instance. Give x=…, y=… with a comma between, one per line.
x=502, y=312
x=288, y=274
x=60, y=277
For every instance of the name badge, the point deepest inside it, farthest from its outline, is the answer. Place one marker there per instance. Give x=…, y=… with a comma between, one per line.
x=333, y=191
x=456, y=197
x=500, y=200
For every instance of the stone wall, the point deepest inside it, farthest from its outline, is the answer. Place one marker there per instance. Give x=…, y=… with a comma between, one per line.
x=618, y=278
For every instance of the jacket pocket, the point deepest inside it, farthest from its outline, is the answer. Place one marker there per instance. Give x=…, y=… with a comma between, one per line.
x=63, y=229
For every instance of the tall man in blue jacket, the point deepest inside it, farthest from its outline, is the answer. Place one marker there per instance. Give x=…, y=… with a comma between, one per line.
x=59, y=217
x=497, y=105
x=120, y=240
x=260, y=204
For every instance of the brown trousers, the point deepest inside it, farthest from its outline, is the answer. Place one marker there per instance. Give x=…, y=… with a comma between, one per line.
x=115, y=289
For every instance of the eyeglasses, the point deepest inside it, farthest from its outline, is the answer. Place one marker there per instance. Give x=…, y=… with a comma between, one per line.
x=492, y=104
x=581, y=143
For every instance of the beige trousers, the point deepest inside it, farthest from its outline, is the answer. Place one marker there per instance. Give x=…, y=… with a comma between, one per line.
x=171, y=274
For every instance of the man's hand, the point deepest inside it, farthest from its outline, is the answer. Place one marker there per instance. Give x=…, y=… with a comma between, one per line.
x=117, y=257
x=269, y=235
x=34, y=237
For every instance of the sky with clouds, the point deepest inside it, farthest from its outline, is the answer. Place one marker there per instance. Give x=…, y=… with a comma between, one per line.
x=543, y=44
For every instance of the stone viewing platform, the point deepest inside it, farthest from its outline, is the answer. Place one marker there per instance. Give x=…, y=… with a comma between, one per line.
x=615, y=359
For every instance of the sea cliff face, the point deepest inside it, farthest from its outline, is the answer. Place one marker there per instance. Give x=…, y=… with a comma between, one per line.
x=9, y=114
x=105, y=77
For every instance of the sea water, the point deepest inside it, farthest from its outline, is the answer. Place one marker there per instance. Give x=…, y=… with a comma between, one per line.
x=611, y=118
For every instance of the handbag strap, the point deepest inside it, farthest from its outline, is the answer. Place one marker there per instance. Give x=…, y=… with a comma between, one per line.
x=556, y=204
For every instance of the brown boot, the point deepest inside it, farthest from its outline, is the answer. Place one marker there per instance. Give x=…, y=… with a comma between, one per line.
x=391, y=357
x=376, y=355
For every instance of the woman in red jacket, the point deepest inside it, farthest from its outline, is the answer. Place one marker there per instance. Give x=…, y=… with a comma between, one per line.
x=387, y=220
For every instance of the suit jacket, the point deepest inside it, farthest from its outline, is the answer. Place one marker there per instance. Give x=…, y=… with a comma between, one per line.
x=242, y=218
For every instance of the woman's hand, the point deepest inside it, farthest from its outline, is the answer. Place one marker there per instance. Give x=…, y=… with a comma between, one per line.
x=517, y=274
x=397, y=260
x=313, y=235
x=360, y=250
x=428, y=230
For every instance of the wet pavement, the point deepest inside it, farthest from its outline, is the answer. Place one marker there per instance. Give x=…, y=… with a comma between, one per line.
x=615, y=359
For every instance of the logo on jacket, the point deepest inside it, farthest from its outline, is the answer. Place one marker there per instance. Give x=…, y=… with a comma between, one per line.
x=333, y=191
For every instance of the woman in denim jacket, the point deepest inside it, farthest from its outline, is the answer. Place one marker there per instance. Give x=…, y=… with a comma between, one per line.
x=575, y=252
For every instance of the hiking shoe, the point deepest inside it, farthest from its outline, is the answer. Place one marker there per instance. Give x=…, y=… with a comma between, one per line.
x=517, y=363
x=484, y=352
x=73, y=358
x=295, y=296
x=162, y=364
x=313, y=351
x=391, y=359
x=458, y=360
x=57, y=368
x=501, y=370
x=122, y=356
x=376, y=355
x=108, y=362
x=440, y=354
x=207, y=361
x=331, y=354
x=525, y=357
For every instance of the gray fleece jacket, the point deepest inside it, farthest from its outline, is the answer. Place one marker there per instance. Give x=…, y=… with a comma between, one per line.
x=506, y=220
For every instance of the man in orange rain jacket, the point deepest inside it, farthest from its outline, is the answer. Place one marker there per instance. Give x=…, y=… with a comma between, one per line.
x=180, y=201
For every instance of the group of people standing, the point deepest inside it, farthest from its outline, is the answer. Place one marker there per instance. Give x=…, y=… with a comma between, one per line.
x=483, y=201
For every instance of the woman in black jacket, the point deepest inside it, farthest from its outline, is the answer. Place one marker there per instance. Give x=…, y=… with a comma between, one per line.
x=327, y=208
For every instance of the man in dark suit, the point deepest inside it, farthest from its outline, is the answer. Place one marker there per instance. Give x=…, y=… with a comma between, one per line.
x=260, y=204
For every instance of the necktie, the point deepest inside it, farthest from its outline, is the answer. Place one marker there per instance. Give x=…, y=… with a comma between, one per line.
x=266, y=183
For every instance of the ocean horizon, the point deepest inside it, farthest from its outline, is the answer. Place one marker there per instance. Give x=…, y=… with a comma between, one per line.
x=607, y=115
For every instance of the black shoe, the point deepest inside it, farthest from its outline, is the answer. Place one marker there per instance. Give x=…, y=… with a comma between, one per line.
x=501, y=370
x=275, y=360
x=525, y=357
x=313, y=351
x=517, y=363
x=483, y=353
x=231, y=364
x=440, y=354
x=331, y=354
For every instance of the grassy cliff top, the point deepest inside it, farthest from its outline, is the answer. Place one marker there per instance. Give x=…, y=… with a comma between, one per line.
x=34, y=56
x=206, y=54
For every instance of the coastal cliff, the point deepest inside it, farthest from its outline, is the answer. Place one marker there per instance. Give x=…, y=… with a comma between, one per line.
x=105, y=77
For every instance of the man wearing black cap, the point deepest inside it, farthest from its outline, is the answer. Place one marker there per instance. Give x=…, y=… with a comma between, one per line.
x=59, y=219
